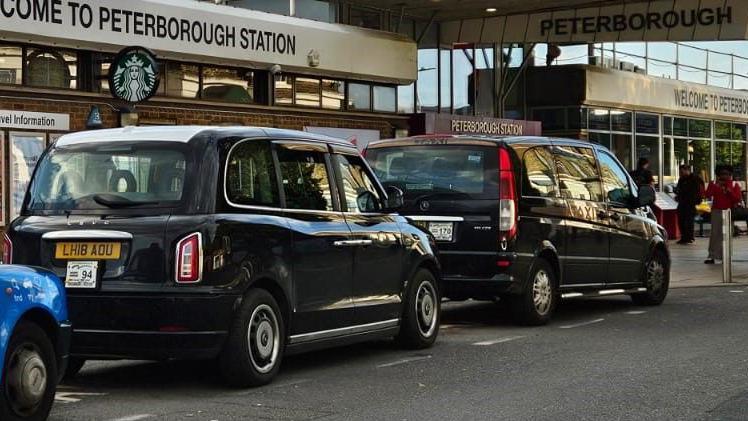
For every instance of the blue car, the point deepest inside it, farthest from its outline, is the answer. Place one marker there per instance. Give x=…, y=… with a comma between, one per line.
x=34, y=341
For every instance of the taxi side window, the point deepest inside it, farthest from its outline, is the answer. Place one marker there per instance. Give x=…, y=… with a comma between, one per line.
x=539, y=178
x=615, y=182
x=306, y=182
x=359, y=189
x=578, y=175
x=250, y=175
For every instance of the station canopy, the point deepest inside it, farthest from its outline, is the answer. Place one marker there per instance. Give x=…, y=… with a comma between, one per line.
x=577, y=21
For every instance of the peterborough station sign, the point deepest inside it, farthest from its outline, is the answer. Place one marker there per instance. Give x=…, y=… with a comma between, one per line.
x=201, y=31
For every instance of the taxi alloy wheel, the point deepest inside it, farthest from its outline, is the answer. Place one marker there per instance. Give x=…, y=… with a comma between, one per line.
x=419, y=325
x=30, y=375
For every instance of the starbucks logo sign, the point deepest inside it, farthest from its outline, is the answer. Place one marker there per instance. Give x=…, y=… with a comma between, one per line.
x=134, y=75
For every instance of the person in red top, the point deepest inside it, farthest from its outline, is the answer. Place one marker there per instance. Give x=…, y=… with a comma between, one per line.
x=725, y=194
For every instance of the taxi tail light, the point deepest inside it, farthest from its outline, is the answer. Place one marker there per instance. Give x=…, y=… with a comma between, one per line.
x=507, y=198
x=189, y=259
x=7, y=249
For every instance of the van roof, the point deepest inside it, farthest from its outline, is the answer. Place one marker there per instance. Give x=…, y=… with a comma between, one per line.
x=475, y=140
x=184, y=134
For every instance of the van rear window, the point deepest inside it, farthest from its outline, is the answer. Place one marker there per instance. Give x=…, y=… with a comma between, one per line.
x=450, y=170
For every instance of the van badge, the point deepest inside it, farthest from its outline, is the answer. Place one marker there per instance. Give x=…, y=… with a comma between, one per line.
x=424, y=205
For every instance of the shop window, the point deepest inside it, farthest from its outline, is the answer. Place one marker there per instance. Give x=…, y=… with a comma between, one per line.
x=406, y=99
x=738, y=131
x=445, y=81
x=307, y=92
x=647, y=123
x=722, y=130
x=227, y=85
x=333, y=94
x=385, y=98
x=182, y=80
x=359, y=97
x=551, y=118
x=49, y=68
x=11, y=65
x=576, y=118
x=319, y=10
x=599, y=138
x=365, y=18
x=621, y=147
x=25, y=151
x=700, y=128
x=599, y=119
x=679, y=126
x=250, y=176
x=620, y=121
x=730, y=154
x=483, y=80
x=283, y=91
x=427, y=87
x=675, y=152
x=648, y=147
x=463, y=81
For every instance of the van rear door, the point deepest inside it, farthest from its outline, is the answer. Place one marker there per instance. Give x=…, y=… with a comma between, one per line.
x=451, y=188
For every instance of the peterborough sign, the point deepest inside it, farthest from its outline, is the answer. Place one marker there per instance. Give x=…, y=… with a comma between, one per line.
x=134, y=75
x=653, y=20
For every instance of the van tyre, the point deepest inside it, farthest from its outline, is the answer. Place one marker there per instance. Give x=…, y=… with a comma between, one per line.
x=74, y=366
x=30, y=375
x=419, y=326
x=656, y=280
x=254, y=348
x=536, y=304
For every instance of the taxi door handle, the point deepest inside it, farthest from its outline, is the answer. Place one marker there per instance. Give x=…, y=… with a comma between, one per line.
x=353, y=243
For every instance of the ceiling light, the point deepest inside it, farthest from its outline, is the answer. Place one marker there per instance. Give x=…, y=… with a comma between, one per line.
x=491, y=9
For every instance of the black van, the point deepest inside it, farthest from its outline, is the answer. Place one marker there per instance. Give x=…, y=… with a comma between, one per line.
x=235, y=243
x=528, y=219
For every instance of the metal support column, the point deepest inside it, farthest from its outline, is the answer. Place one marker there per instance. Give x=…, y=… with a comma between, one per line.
x=726, y=246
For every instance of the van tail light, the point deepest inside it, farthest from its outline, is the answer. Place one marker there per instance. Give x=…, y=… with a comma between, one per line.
x=189, y=259
x=7, y=250
x=507, y=198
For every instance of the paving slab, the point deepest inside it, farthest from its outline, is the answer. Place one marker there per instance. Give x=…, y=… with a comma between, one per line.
x=688, y=268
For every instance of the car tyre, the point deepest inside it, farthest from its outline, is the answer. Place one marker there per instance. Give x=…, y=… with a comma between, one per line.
x=656, y=280
x=421, y=315
x=536, y=304
x=29, y=375
x=254, y=348
x=74, y=366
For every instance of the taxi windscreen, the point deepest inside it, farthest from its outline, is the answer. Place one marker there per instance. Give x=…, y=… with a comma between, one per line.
x=108, y=176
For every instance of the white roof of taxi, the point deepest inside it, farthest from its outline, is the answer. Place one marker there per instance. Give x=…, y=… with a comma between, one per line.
x=161, y=133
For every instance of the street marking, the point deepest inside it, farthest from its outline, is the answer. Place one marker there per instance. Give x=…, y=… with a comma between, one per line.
x=72, y=397
x=737, y=291
x=497, y=341
x=581, y=324
x=134, y=417
x=404, y=361
x=635, y=312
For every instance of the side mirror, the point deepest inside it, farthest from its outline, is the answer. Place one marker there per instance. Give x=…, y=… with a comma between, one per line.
x=367, y=202
x=647, y=196
x=394, y=198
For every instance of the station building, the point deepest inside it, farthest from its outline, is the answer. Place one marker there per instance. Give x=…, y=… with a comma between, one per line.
x=366, y=70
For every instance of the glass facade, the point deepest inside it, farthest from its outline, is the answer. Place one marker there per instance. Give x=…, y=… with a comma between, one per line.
x=667, y=141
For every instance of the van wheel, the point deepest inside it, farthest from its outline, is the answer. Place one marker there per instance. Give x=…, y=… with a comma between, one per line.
x=30, y=375
x=419, y=326
x=536, y=304
x=254, y=349
x=656, y=280
x=74, y=366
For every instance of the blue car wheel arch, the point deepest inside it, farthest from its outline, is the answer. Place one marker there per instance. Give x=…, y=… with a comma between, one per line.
x=34, y=294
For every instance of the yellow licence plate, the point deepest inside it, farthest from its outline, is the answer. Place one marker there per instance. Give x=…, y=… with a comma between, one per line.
x=88, y=250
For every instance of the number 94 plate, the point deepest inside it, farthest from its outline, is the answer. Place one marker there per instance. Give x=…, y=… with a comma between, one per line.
x=81, y=274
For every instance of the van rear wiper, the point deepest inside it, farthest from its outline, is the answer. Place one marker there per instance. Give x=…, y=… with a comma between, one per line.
x=115, y=201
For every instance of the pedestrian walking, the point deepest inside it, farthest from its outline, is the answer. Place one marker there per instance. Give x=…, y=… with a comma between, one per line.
x=642, y=175
x=725, y=194
x=689, y=192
